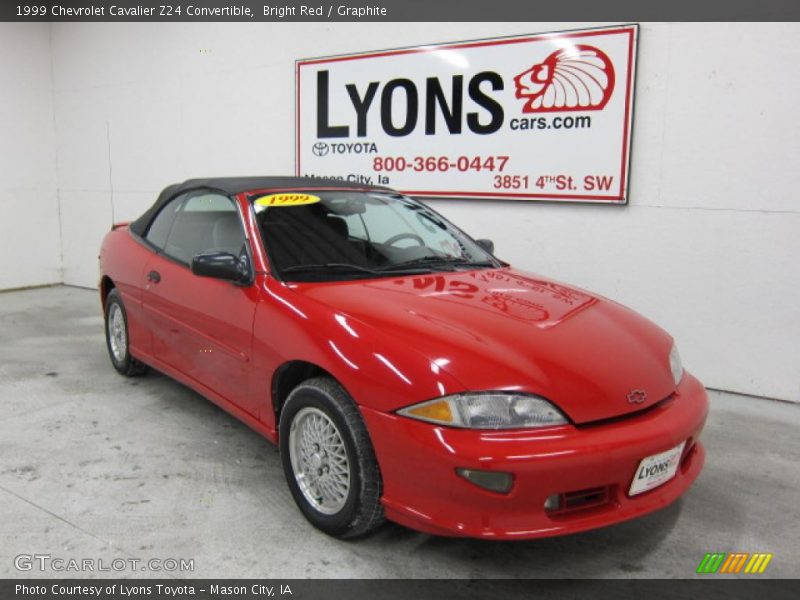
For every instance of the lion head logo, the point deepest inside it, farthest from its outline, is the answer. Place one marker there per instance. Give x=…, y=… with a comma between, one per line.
x=575, y=78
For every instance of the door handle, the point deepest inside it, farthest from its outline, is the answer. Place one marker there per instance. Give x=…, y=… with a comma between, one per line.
x=154, y=276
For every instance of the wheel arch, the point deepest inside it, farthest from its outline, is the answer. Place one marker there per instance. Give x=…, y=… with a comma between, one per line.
x=288, y=376
x=106, y=285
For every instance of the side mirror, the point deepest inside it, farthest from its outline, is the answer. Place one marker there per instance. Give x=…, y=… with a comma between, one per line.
x=220, y=265
x=487, y=245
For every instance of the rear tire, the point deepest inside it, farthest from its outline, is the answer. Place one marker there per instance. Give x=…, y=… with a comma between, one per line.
x=328, y=460
x=116, y=326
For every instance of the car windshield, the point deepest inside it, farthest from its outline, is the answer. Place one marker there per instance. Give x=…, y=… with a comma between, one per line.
x=335, y=235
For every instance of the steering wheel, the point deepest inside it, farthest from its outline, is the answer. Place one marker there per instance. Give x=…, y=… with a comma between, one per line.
x=403, y=236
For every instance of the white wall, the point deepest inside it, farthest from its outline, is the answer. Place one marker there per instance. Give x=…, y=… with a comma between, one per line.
x=29, y=235
x=709, y=246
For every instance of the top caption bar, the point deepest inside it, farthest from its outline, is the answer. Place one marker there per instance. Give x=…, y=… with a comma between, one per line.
x=400, y=11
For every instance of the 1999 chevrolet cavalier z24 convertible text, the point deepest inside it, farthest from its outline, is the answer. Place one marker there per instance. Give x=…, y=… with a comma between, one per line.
x=404, y=371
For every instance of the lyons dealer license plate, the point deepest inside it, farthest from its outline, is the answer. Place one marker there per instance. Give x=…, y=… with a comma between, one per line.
x=656, y=470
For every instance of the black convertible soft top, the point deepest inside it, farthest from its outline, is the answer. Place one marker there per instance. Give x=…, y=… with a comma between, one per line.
x=236, y=185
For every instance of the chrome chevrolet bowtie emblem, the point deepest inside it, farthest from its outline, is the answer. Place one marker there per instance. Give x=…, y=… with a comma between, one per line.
x=637, y=396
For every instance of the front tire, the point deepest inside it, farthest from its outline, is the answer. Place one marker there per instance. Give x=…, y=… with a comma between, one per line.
x=328, y=460
x=117, y=337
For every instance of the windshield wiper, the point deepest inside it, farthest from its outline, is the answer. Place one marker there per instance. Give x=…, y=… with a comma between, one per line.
x=342, y=267
x=438, y=261
x=328, y=267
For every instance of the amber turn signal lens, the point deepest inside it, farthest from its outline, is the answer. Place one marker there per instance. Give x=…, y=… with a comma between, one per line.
x=433, y=411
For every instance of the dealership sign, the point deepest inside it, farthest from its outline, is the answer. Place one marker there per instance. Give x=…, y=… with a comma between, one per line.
x=535, y=117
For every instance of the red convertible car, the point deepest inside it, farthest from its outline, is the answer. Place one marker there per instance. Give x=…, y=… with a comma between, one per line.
x=405, y=372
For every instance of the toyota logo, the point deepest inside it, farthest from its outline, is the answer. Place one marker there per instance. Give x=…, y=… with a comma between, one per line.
x=320, y=148
x=637, y=396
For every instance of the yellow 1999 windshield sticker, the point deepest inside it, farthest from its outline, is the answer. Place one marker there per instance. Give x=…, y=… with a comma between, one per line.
x=286, y=199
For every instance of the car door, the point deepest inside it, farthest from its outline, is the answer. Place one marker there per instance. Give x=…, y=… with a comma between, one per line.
x=203, y=327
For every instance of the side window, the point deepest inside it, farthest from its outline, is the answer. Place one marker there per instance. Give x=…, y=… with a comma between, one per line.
x=384, y=222
x=205, y=221
x=437, y=237
x=159, y=228
x=209, y=202
x=355, y=227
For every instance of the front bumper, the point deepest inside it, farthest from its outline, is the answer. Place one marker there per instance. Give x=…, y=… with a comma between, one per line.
x=418, y=463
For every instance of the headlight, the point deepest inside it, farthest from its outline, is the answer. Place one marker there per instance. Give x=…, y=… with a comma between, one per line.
x=675, y=364
x=487, y=411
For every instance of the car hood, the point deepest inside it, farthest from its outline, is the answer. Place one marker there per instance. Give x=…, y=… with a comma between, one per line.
x=503, y=329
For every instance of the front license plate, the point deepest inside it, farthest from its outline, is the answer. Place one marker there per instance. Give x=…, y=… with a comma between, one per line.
x=656, y=470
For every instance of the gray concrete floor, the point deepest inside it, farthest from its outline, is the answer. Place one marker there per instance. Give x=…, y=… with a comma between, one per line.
x=93, y=465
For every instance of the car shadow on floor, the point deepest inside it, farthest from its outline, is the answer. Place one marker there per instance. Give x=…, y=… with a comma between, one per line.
x=621, y=550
